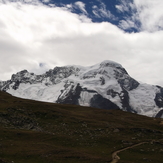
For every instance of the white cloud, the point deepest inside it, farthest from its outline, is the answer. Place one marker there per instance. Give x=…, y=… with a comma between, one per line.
x=45, y=1
x=34, y=35
x=148, y=14
x=125, y=6
x=21, y=1
x=81, y=6
x=127, y=24
x=101, y=11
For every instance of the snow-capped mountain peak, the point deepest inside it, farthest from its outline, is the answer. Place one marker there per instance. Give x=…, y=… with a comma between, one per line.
x=108, y=63
x=104, y=85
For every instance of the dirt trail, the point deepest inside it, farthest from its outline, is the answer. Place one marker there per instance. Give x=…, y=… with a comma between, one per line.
x=116, y=158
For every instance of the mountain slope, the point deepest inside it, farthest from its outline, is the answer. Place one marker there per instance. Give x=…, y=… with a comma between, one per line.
x=34, y=132
x=105, y=85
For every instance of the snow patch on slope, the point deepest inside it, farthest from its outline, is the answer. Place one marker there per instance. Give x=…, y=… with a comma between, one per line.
x=142, y=100
x=39, y=92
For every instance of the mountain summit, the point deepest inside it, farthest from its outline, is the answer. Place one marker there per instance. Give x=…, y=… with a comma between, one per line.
x=106, y=85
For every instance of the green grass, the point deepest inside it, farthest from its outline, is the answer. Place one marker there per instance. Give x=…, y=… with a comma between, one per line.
x=38, y=132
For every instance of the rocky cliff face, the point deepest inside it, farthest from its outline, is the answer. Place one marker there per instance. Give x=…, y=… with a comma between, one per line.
x=106, y=85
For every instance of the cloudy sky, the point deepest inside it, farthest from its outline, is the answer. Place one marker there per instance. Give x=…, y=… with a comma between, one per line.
x=39, y=35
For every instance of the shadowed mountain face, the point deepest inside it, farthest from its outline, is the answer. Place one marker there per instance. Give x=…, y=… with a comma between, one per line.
x=106, y=85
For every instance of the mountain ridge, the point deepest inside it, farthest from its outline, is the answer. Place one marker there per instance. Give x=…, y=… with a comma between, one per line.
x=104, y=85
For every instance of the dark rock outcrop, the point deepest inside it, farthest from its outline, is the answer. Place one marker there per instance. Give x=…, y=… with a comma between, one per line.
x=100, y=102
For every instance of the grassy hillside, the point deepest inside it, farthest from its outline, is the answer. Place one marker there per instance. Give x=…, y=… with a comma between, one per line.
x=37, y=132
